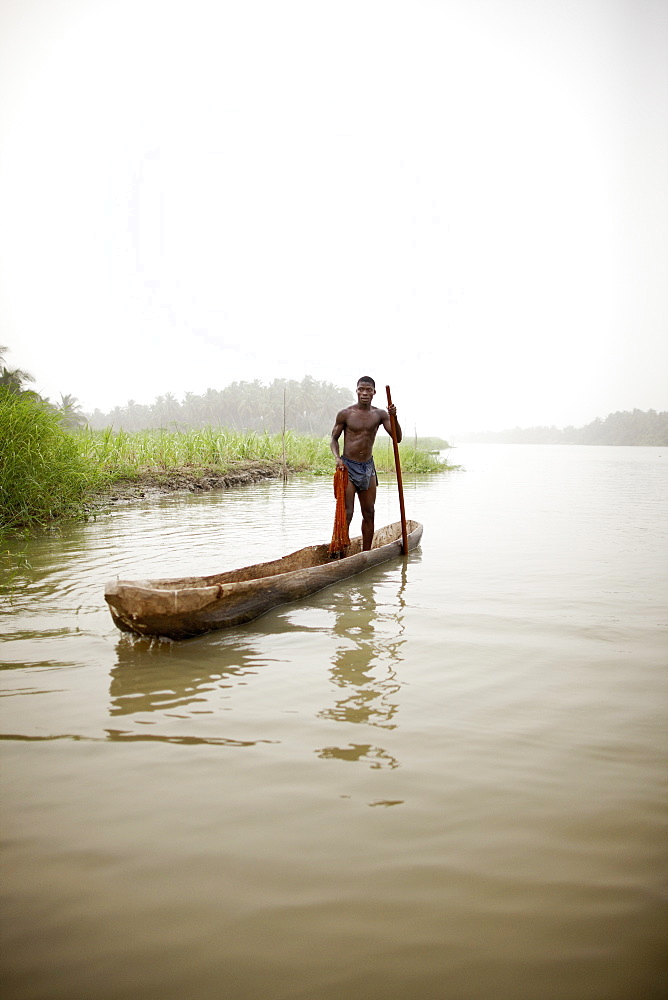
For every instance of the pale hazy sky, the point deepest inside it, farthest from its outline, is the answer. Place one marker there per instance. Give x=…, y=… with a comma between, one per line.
x=464, y=198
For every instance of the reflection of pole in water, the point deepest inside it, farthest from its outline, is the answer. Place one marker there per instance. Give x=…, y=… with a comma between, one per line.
x=376, y=756
x=363, y=667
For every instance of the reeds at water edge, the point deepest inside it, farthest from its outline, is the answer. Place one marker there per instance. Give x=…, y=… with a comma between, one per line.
x=121, y=452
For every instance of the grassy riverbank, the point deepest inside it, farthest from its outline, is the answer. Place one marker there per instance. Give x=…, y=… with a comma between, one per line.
x=43, y=474
x=48, y=473
x=123, y=454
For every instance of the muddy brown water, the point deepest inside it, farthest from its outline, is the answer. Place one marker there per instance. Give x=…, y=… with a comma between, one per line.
x=444, y=778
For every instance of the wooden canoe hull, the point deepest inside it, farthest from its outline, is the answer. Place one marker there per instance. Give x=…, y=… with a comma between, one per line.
x=182, y=608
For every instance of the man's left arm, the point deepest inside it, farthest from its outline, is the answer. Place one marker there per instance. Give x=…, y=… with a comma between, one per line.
x=387, y=423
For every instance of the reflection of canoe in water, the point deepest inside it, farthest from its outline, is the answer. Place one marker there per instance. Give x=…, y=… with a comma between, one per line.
x=192, y=605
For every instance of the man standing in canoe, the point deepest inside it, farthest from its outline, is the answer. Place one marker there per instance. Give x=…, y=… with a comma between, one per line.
x=359, y=425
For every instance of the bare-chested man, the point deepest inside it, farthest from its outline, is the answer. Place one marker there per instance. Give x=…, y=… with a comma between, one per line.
x=359, y=424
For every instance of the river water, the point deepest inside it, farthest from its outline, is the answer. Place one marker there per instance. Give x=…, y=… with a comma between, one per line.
x=441, y=779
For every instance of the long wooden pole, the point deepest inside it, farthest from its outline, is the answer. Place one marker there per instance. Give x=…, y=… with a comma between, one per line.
x=397, y=465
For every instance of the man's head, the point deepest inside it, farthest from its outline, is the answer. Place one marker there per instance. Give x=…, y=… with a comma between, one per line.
x=366, y=390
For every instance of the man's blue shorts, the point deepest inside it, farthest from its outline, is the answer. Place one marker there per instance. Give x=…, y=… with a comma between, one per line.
x=360, y=473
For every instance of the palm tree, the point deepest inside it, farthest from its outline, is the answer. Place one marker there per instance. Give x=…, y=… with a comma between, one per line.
x=14, y=378
x=115, y=418
x=211, y=405
x=135, y=416
x=172, y=407
x=71, y=414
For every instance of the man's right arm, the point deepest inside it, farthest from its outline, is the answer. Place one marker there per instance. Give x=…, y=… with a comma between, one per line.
x=337, y=431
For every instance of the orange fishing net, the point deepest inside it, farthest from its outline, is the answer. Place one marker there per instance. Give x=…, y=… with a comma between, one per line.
x=340, y=539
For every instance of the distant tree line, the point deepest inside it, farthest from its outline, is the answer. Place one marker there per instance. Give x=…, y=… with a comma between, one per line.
x=630, y=427
x=308, y=407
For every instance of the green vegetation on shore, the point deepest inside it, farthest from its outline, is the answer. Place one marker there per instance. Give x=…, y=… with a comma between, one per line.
x=48, y=472
x=43, y=474
x=122, y=454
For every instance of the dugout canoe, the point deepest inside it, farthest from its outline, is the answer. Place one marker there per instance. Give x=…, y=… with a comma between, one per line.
x=182, y=608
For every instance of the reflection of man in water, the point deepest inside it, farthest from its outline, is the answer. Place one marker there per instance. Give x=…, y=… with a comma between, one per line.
x=364, y=670
x=359, y=424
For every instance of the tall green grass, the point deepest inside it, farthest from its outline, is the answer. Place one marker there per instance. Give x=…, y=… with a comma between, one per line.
x=127, y=454
x=47, y=472
x=43, y=475
x=122, y=452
